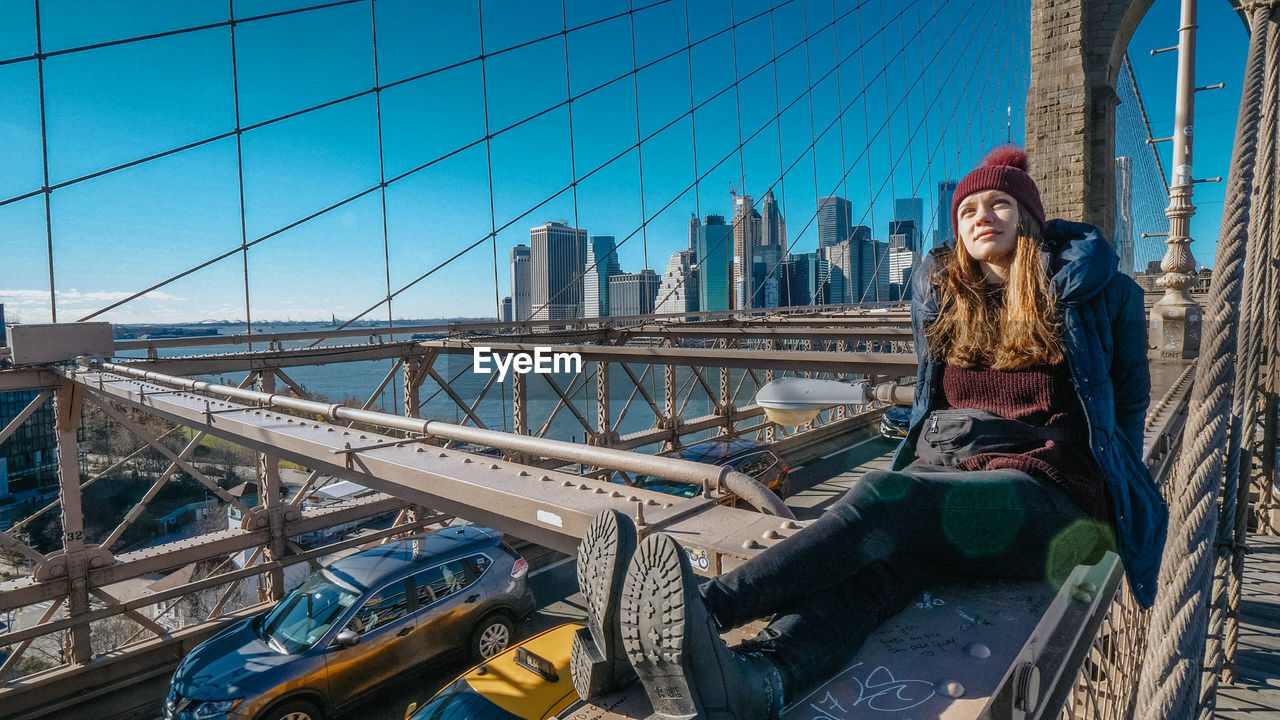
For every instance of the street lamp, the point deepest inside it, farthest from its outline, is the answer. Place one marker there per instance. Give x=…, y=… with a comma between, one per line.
x=796, y=401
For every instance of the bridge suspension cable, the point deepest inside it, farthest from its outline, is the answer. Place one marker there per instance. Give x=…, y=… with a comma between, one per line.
x=822, y=47
x=1172, y=684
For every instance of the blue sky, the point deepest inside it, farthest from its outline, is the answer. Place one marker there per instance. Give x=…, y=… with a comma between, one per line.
x=882, y=101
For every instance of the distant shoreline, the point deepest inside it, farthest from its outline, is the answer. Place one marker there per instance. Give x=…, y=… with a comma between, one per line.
x=211, y=328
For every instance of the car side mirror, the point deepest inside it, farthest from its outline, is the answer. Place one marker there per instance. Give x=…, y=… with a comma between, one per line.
x=346, y=638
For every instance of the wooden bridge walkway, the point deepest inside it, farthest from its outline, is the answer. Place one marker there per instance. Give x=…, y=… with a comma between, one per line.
x=1256, y=693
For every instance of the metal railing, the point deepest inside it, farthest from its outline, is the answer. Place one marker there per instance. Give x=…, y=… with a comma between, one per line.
x=102, y=625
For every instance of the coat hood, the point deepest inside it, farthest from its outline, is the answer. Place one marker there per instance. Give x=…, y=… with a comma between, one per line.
x=1080, y=261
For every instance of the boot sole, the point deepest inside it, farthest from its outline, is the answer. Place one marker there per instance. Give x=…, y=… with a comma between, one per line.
x=653, y=615
x=597, y=661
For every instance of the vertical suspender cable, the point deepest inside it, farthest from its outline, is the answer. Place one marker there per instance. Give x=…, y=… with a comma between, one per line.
x=382, y=179
x=635, y=87
x=573, y=177
x=235, y=97
x=44, y=160
x=493, y=220
x=693, y=118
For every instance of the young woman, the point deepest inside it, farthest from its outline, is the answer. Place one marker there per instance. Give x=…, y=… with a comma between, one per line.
x=1023, y=459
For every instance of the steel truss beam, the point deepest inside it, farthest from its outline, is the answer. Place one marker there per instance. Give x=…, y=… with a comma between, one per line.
x=169, y=556
x=610, y=324
x=900, y=330
x=893, y=364
x=28, y=379
x=544, y=506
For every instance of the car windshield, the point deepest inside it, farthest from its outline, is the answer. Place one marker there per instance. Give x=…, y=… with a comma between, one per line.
x=305, y=614
x=460, y=702
x=756, y=464
x=898, y=413
x=670, y=487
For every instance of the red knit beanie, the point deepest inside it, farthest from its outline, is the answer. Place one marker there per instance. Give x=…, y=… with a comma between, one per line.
x=1005, y=169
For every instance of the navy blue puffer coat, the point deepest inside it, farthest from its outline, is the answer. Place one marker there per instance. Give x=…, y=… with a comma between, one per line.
x=1105, y=333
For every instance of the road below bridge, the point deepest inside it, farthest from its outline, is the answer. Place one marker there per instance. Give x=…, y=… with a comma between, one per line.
x=818, y=482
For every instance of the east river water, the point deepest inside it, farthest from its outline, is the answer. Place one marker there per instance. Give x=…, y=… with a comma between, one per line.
x=340, y=381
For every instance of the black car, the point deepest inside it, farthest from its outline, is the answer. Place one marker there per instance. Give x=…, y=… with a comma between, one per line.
x=746, y=456
x=894, y=422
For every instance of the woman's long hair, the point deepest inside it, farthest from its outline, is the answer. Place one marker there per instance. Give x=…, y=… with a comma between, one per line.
x=1007, y=327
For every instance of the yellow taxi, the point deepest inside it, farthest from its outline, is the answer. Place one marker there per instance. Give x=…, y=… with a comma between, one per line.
x=529, y=681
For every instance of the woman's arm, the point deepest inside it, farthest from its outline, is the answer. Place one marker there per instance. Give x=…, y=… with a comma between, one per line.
x=1130, y=374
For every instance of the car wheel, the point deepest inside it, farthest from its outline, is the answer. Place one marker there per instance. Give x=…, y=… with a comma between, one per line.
x=491, y=636
x=294, y=710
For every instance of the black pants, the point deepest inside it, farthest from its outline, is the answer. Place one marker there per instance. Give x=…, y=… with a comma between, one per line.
x=890, y=537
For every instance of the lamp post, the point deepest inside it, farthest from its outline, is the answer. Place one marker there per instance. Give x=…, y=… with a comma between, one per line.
x=1175, y=319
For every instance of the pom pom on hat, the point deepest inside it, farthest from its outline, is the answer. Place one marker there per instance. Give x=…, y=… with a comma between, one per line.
x=1004, y=169
x=1009, y=155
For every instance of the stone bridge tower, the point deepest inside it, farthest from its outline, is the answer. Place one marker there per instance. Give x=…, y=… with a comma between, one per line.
x=1076, y=50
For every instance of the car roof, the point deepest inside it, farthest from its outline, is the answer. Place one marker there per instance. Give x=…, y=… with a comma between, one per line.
x=521, y=691
x=368, y=568
x=717, y=450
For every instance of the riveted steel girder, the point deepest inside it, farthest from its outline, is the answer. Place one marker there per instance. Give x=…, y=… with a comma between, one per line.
x=891, y=364
x=544, y=506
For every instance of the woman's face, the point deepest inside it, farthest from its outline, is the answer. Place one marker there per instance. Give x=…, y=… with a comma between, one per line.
x=988, y=227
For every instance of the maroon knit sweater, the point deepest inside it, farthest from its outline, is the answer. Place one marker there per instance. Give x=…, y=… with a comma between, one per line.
x=1043, y=396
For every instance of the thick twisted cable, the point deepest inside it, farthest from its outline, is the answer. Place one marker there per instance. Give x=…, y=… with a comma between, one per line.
x=1170, y=681
x=1257, y=309
x=1223, y=635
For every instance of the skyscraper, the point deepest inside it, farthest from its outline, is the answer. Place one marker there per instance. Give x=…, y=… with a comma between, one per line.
x=901, y=264
x=558, y=257
x=678, y=292
x=841, y=279
x=715, y=264
x=764, y=284
x=1124, y=214
x=873, y=272
x=902, y=257
x=765, y=259
x=633, y=293
x=773, y=227
x=835, y=216
x=508, y=313
x=602, y=263
x=746, y=238
x=911, y=210
x=904, y=235
x=802, y=285
x=694, y=225
x=520, y=283
x=946, y=229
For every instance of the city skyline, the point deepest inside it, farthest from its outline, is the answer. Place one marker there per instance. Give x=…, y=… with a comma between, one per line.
x=757, y=274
